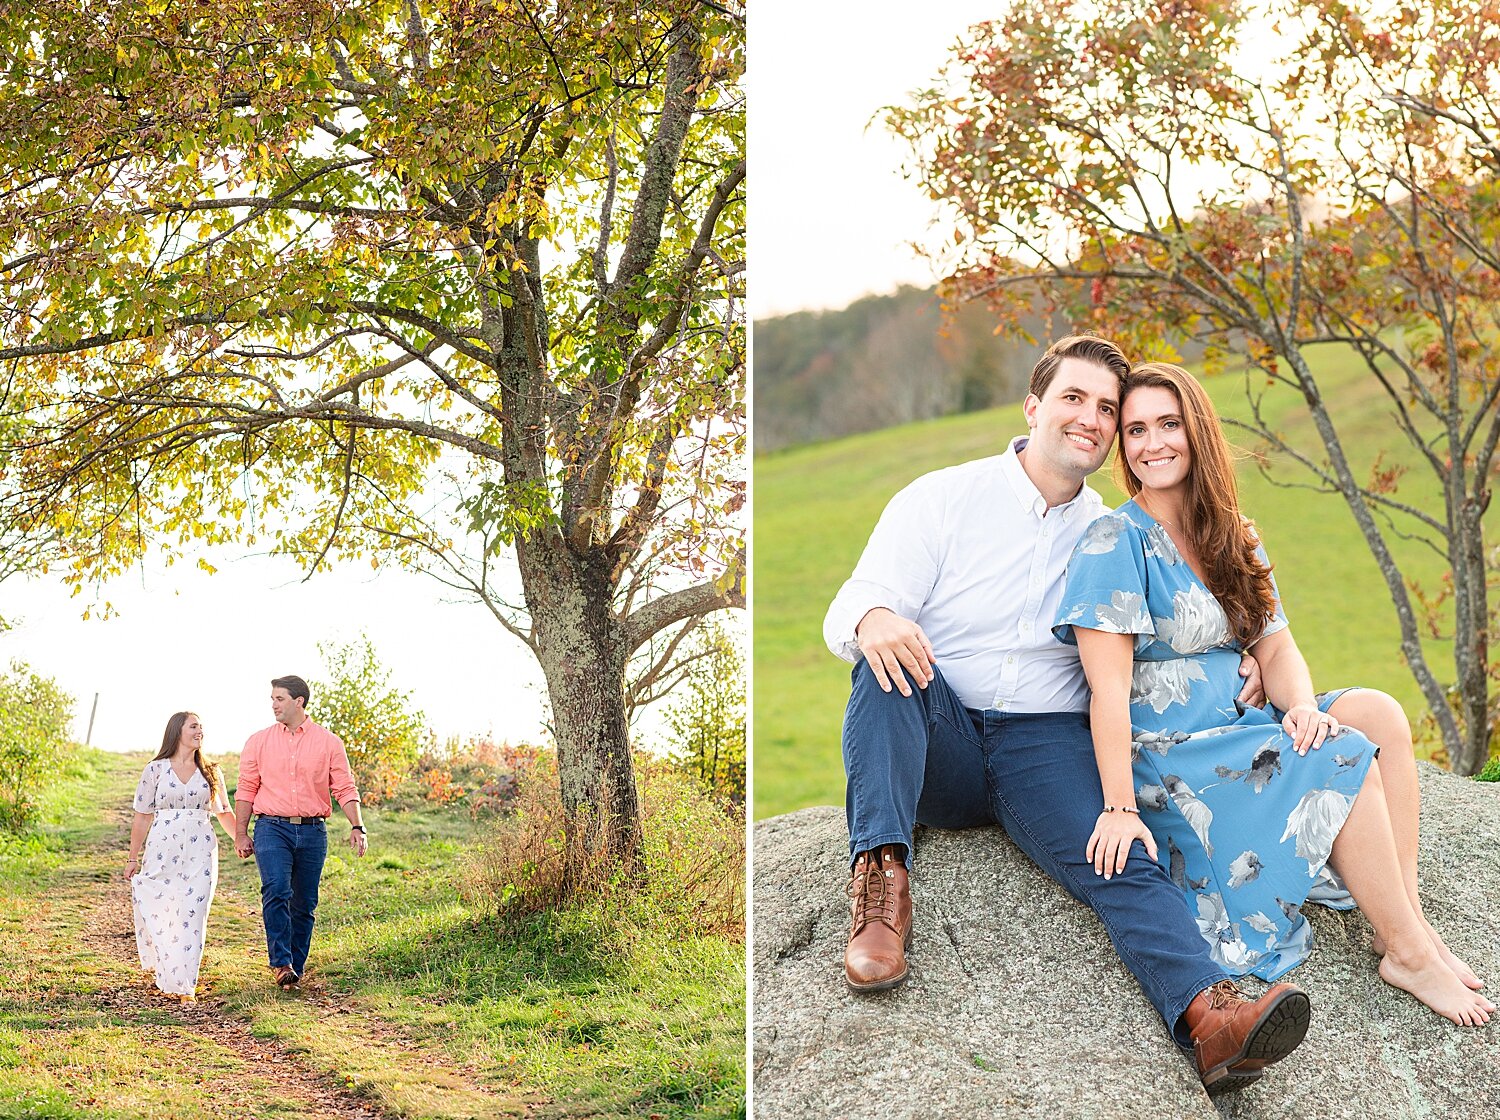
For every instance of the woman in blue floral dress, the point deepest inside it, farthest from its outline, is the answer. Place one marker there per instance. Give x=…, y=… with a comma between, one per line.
x=172, y=883
x=1251, y=814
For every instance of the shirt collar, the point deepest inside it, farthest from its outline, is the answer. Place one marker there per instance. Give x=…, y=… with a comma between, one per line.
x=1028, y=497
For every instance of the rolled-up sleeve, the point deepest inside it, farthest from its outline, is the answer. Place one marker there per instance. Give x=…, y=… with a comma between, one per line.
x=249, y=781
x=340, y=777
x=897, y=569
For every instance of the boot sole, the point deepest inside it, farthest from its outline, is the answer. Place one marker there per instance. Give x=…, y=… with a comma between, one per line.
x=883, y=985
x=878, y=985
x=1278, y=1032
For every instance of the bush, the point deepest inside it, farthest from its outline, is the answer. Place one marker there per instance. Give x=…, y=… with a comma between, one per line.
x=381, y=731
x=34, y=744
x=1490, y=773
x=475, y=773
x=693, y=857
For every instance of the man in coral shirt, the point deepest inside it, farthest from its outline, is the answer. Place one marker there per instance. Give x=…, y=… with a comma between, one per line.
x=287, y=773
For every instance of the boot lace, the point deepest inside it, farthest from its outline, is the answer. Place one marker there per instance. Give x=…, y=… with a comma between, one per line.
x=1224, y=994
x=870, y=893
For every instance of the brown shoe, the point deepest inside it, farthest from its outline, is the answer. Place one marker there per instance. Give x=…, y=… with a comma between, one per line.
x=1235, y=1037
x=880, y=921
x=286, y=976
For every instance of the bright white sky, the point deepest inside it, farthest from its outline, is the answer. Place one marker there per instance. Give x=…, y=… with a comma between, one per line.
x=211, y=643
x=831, y=218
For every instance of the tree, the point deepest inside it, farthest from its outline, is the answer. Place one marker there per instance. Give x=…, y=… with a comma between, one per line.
x=436, y=282
x=706, y=720
x=1140, y=168
x=382, y=732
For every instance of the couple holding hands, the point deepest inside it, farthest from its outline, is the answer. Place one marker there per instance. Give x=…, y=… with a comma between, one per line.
x=1120, y=691
x=288, y=772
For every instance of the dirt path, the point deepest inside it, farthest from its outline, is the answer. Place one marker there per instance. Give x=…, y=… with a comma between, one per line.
x=108, y=931
x=273, y=1070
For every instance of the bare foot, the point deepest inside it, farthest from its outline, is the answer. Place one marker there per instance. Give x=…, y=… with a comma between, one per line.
x=1460, y=969
x=1432, y=982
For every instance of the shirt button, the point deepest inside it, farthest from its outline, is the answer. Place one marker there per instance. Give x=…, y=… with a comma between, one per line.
x=1010, y=660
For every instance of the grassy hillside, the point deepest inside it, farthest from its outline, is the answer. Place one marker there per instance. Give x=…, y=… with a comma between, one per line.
x=815, y=507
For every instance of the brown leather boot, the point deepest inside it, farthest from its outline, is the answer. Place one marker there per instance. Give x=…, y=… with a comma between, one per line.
x=1235, y=1038
x=880, y=921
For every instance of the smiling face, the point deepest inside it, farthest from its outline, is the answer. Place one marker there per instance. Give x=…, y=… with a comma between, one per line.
x=191, y=736
x=1153, y=439
x=1073, y=422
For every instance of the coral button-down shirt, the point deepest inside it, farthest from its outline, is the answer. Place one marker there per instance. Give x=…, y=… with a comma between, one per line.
x=291, y=773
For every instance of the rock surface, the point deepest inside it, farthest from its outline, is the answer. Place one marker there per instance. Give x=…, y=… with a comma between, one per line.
x=1018, y=1007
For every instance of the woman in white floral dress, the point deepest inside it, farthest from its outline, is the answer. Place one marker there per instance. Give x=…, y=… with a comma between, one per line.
x=172, y=884
x=1249, y=815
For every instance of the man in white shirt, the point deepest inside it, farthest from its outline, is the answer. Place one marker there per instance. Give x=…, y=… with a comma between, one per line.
x=965, y=571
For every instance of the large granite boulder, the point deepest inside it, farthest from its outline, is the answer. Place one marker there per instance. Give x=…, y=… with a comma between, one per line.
x=1018, y=1007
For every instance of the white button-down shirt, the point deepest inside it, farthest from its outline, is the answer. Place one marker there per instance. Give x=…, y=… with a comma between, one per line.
x=973, y=555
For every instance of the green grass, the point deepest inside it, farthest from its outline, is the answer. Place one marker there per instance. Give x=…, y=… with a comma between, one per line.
x=414, y=1001
x=815, y=507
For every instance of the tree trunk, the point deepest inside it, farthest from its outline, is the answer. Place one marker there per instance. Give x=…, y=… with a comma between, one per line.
x=582, y=650
x=1470, y=635
x=1411, y=639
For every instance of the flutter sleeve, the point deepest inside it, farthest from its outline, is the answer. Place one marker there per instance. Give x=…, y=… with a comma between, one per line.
x=1106, y=584
x=218, y=802
x=145, y=790
x=1278, y=620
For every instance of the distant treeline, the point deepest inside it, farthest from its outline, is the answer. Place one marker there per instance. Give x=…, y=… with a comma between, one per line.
x=889, y=360
x=883, y=360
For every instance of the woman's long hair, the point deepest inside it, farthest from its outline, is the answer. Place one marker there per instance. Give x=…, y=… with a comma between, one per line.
x=173, y=735
x=1222, y=537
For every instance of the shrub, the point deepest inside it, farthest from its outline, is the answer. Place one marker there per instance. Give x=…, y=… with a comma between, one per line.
x=473, y=773
x=441, y=787
x=1490, y=773
x=381, y=730
x=693, y=858
x=34, y=744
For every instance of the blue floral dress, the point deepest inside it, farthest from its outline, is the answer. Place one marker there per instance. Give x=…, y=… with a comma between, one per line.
x=179, y=871
x=1243, y=824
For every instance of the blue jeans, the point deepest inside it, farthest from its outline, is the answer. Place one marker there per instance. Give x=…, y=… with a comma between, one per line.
x=927, y=759
x=290, y=858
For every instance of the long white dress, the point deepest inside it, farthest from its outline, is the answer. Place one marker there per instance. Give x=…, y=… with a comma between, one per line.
x=179, y=871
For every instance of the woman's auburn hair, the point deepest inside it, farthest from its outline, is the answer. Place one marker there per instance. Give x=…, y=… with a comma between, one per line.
x=1222, y=537
x=173, y=735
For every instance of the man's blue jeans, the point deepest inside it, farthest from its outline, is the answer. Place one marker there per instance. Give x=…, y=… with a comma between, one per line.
x=290, y=858
x=927, y=759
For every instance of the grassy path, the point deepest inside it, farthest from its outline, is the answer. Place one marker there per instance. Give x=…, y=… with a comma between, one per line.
x=414, y=1005
x=84, y=1033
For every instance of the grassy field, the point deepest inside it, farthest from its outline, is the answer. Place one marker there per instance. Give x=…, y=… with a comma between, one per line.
x=815, y=507
x=413, y=1007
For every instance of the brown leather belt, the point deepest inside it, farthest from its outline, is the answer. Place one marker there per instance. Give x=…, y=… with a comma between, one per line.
x=289, y=820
